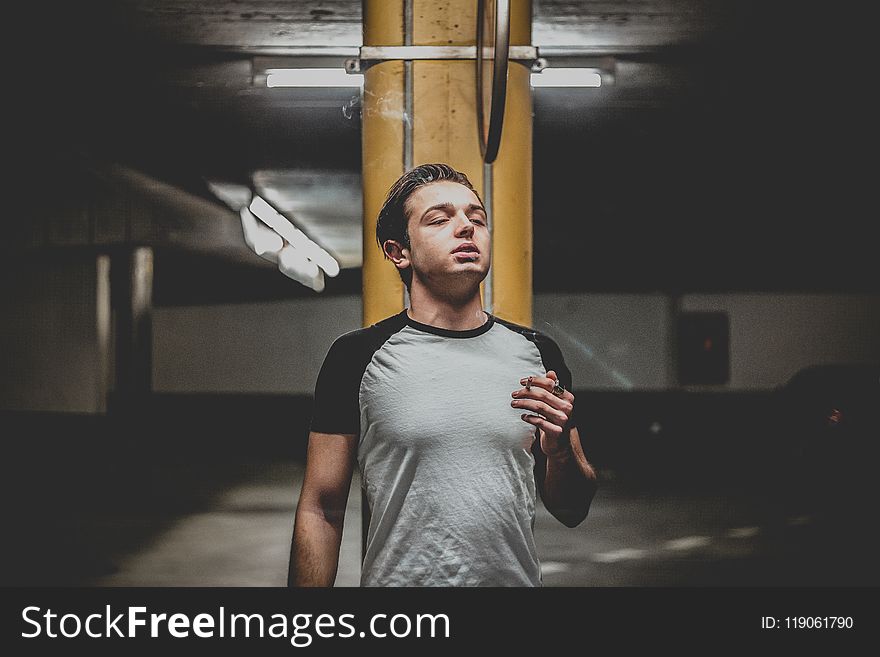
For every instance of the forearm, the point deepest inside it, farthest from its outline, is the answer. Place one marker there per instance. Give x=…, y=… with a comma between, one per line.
x=314, y=556
x=569, y=484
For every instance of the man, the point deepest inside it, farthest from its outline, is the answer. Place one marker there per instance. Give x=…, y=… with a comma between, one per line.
x=450, y=449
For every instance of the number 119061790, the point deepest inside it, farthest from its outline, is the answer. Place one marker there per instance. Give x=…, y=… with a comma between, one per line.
x=807, y=622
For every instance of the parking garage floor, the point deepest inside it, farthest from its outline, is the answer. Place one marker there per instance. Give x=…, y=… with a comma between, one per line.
x=232, y=527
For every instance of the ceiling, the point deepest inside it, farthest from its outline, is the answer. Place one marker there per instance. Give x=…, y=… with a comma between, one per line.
x=723, y=157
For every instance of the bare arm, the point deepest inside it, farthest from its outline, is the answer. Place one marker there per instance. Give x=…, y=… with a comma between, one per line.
x=565, y=479
x=567, y=482
x=317, y=532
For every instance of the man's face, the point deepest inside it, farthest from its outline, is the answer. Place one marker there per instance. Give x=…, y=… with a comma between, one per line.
x=449, y=235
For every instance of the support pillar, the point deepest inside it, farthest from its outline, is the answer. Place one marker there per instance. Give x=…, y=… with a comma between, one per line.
x=132, y=289
x=425, y=111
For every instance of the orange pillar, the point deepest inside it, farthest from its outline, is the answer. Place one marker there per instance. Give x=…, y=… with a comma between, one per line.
x=425, y=111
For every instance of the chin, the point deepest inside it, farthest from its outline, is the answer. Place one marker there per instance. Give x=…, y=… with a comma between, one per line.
x=474, y=272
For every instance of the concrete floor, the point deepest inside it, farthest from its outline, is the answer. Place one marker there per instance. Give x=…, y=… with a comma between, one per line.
x=240, y=536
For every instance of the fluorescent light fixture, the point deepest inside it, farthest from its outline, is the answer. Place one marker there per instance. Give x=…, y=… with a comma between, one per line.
x=321, y=258
x=294, y=264
x=567, y=77
x=306, y=249
x=270, y=216
x=312, y=77
x=264, y=242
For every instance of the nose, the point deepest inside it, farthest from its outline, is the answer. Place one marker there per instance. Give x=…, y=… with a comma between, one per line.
x=463, y=226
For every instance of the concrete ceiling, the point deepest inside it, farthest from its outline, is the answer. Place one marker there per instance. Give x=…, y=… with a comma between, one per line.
x=723, y=141
x=282, y=26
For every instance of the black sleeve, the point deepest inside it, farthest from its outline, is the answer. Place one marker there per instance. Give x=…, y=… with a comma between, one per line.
x=336, y=408
x=337, y=392
x=551, y=355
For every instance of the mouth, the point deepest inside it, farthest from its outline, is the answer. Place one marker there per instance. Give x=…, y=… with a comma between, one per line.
x=467, y=248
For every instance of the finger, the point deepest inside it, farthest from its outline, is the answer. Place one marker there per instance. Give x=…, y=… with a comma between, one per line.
x=541, y=423
x=555, y=416
x=540, y=381
x=556, y=383
x=546, y=383
x=564, y=403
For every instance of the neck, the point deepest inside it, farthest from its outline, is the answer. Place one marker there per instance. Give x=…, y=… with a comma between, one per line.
x=453, y=314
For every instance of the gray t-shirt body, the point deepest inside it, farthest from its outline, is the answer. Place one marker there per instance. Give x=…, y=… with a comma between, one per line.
x=446, y=463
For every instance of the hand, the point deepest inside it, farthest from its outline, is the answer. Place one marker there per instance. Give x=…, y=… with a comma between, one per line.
x=551, y=414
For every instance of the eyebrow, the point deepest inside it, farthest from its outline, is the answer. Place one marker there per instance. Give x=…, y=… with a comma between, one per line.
x=447, y=206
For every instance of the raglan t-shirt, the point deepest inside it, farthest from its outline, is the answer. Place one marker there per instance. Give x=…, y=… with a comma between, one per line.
x=446, y=462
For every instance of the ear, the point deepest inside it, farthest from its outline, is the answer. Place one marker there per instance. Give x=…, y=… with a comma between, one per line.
x=397, y=253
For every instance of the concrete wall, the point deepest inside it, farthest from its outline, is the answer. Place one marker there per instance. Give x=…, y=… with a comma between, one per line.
x=610, y=342
x=773, y=336
x=51, y=360
x=259, y=348
x=48, y=337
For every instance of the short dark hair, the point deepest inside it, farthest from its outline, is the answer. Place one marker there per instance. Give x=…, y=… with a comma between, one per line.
x=393, y=221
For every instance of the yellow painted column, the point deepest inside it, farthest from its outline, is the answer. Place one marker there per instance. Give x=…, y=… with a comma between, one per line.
x=512, y=186
x=444, y=129
x=382, y=112
x=444, y=100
